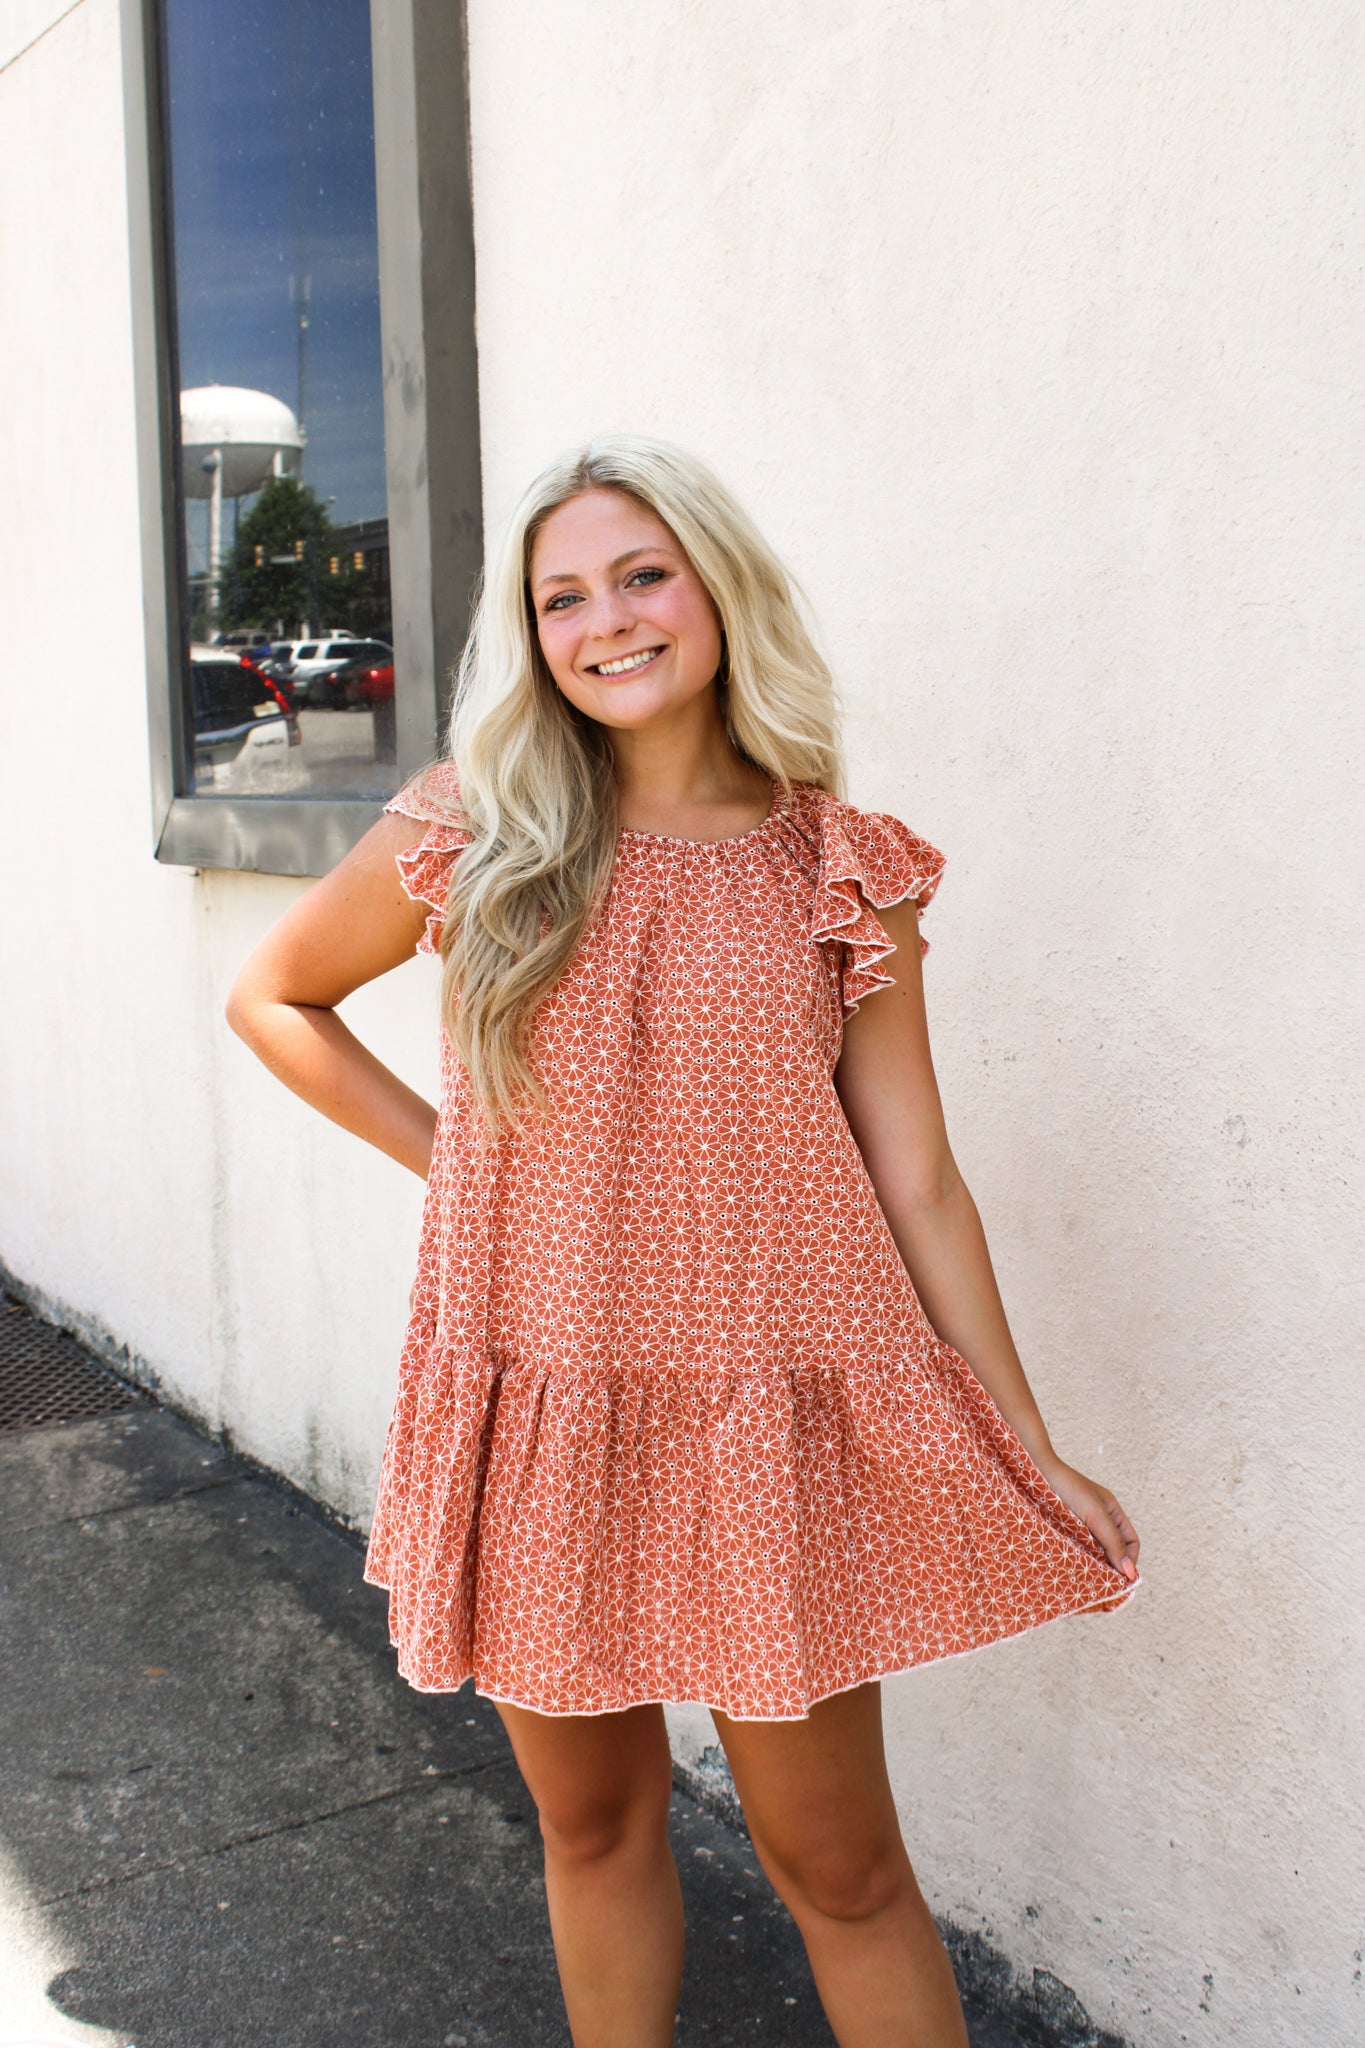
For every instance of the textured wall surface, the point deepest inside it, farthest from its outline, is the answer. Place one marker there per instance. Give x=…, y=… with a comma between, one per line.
x=155, y=1184
x=1024, y=331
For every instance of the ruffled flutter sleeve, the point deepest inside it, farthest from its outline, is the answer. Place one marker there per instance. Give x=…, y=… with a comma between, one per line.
x=868, y=861
x=433, y=799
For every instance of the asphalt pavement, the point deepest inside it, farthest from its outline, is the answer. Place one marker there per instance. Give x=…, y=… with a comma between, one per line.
x=225, y=1821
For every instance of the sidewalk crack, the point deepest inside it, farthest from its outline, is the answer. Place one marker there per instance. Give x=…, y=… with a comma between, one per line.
x=128, y=1507
x=253, y=1835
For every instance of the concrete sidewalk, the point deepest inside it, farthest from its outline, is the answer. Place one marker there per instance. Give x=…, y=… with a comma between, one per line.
x=225, y=1822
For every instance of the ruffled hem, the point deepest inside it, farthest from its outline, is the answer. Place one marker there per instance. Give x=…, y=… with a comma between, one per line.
x=488, y=1689
x=432, y=799
x=756, y=1540
x=868, y=861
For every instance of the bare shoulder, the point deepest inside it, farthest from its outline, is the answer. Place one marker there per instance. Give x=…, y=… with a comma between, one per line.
x=891, y=1010
x=353, y=925
x=885, y=1075
x=377, y=850
x=369, y=877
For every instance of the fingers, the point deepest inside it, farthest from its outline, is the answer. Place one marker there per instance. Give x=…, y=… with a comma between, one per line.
x=1118, y=1537
x=1103, y=1517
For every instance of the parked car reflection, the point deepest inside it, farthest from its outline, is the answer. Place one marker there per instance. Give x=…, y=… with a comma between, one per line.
x=367, y=685
x=243, y=641
x=275, y=660
x=241, y=720
x=316, y=664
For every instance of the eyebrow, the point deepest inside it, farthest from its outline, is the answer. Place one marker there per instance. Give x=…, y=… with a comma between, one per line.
x=629, y=556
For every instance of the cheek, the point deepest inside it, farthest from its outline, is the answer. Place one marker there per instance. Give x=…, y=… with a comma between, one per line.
x=690, y=617
x=557, y=643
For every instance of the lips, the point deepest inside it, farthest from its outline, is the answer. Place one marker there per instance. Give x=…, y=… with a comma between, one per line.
x=626, y=664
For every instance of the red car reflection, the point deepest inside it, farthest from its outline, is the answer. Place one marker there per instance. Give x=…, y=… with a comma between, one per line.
x=365, y=684
x=281, y=692
x=368, y=686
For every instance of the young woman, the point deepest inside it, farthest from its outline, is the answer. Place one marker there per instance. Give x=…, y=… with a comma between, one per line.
x=684, y=1411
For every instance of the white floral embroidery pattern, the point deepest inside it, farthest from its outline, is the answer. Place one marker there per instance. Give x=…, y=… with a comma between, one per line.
x=671, y=1422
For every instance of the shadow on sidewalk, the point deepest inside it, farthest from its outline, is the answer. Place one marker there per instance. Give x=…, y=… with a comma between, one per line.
x=228, y=1823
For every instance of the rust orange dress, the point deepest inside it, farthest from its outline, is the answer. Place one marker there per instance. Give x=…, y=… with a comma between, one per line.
x=671, y=1422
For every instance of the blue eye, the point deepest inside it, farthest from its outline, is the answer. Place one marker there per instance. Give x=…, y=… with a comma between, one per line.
x=654, y=575
x=557, y=604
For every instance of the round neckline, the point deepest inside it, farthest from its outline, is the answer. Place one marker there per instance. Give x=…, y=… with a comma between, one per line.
x=775, y=808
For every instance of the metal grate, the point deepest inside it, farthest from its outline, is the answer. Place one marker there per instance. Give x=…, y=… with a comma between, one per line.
x=46, y=1377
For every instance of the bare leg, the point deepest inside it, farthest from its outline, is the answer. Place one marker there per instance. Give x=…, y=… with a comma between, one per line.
x=818, y=1802
x=601, y=1784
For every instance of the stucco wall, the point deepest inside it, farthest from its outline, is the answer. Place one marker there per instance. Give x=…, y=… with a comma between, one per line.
x=154, y=1183
x=1024, y=330
x=1025, y=333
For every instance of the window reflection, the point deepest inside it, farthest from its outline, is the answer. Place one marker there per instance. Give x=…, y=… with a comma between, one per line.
x=289, y=673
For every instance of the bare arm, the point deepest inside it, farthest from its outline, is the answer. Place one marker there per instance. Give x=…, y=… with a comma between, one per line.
x=886, y=1083
x=353, y=925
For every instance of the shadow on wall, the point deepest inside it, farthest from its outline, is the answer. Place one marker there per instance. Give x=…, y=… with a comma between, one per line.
x=1034, y=2004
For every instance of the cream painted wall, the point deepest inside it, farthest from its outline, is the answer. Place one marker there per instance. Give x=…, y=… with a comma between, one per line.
x=154, y=1183
x=1026, y=333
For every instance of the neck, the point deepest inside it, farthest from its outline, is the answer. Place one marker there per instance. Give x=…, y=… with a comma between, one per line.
x=686, y=758
x=684, y=770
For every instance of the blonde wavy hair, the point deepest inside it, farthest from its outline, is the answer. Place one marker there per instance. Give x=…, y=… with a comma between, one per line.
x=535, y=777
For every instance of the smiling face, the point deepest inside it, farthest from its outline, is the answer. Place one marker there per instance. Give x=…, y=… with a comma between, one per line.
x=626, y=625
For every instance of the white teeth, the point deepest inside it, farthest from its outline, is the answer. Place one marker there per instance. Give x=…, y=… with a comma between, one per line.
x=626, y=663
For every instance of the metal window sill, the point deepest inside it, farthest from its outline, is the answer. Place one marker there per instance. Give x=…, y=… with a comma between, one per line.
x=264, y=835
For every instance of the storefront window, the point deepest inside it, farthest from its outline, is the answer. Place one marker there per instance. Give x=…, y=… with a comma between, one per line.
x=287, y=669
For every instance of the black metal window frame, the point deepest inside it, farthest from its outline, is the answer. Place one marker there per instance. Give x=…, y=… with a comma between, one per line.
x=430, y=370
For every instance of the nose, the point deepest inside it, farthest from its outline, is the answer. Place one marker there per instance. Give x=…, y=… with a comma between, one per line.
x=612, y=614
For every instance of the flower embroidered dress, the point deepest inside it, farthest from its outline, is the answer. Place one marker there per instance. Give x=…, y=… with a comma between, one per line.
x=671, y=1422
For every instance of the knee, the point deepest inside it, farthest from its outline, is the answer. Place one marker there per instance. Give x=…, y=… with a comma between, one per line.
x=584, y=1830
x=840, y=1881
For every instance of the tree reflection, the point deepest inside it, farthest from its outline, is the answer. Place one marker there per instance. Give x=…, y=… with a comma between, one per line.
x=291, y=572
